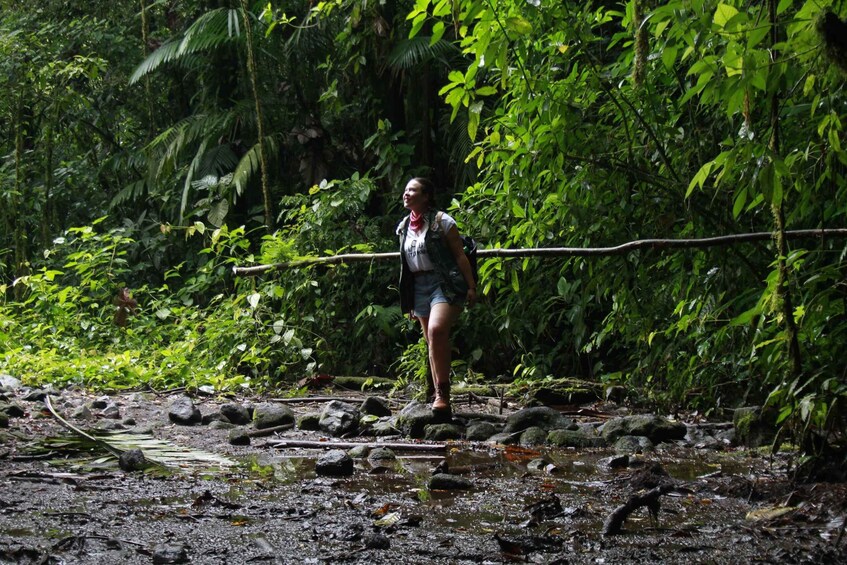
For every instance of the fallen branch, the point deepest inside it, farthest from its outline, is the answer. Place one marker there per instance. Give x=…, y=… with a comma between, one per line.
x=614, y=523
x=557, y=251
x=284, y=443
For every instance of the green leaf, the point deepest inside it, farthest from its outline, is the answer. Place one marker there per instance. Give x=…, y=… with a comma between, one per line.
x=723, y=14
x=519, y=25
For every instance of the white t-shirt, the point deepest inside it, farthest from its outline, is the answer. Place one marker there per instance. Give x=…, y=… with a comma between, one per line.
x=415, y=248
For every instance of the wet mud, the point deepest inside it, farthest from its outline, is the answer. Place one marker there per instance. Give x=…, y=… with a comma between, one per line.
x=263, y=504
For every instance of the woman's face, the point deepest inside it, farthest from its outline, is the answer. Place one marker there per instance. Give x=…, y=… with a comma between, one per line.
x=414, y=198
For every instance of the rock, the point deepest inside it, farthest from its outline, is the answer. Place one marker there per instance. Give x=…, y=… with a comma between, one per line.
x=444, y=481
x=533, y=436
x=239, y=436
x=581, y=438
x=128, y=422
x=221, y=425
x=442, y=432
x=754, y=427
x=213, y=417
x=539, y=416
x=504, y=438
x=656, y=428
x=12, y=410
x=537, y=465
x=100, y=403
x=359, y=452
x=270, y=415
x=375, y=406
x=4, y=420
x=236, y=413
x=112, y=412
x=480, y=431
x=381, y=454
x=615, y=462
x=376, y=541
x=412, y=419
x=183, y=412
x=334, y=463
x=170, y=553
x=133, y=460
x=384, y=428
x=36, y=395
x=310, y=421
x=339, y=418
x=82, y=413
x=8, y=383
x=633, y=444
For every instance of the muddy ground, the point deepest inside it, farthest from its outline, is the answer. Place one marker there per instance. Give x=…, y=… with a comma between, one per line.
x=60, y=505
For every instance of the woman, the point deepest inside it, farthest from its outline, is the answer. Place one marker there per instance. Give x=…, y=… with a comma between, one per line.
x=435, y=279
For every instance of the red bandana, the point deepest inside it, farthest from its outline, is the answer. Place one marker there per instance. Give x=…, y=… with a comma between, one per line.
x=416, y=221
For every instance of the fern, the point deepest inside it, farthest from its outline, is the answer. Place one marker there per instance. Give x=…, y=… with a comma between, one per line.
x=411, y=53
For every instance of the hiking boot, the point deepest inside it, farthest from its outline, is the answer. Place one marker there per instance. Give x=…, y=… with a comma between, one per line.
x=442, y=398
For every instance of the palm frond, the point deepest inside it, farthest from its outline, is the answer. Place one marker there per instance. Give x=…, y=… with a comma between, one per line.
x=129, y=193
x=195, y=164
x=209, y=31
x=250, y=163
x=410, y=53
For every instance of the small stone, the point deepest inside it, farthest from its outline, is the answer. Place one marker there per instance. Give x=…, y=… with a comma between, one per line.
x=9, y=383
x=100, y=403
x=533, y=436
x=112, y=412
x=359, y=452
x=128, y=422
x=12, y=410
x=376, y=541
x=132, y=460
x=334, y=463
x=444, y=481
x=37, y=395
x=170, y=553
x=633, y=444
x=381, y=454
x=4, y=420
x=220, y=425
x=239, y=437
x=339, y=418
x=207, y=419
x=82, y=413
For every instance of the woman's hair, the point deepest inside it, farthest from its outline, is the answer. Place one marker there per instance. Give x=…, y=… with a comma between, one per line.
x=428, y=188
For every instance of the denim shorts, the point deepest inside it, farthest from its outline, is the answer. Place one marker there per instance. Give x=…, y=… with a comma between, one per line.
x=428, y=293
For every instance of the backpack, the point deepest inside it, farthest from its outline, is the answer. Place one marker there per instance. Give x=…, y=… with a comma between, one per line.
x=470, y=247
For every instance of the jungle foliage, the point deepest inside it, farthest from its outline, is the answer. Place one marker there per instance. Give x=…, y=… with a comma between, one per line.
x=154, y=145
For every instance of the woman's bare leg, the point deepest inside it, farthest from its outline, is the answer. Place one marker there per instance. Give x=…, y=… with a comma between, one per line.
x=436, y=330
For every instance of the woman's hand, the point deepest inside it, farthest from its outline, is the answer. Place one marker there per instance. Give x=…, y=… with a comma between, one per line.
x=471, y=296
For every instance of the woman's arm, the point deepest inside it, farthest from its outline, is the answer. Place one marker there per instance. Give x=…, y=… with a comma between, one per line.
x=454, y=243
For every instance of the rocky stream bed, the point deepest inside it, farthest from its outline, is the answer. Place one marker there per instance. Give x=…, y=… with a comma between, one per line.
x=355, y=479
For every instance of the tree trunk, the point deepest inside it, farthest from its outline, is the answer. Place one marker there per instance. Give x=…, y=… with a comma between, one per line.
x=783, y=293
x=254, y=81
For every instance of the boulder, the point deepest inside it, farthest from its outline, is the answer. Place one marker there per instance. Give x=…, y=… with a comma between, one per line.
x=480, y=431
x=656, y=428
x=412, y=419
x=335, y=463
x=339, y=418
x=235, y=413
x=754, y=426
x=542, y=417
x=633, y=444
x=579, y=439
x=445, y=481
x=375, y=406
x=310, y=421
x=270, y=414
x=442, y=432
x=183, y=412
x=533, y=436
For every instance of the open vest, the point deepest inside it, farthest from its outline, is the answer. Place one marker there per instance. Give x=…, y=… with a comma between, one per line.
x=453, y=284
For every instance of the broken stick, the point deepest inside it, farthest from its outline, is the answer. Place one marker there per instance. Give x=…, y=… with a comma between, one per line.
x=283, y=443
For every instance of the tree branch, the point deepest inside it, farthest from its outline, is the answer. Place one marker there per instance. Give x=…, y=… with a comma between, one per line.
x=661, y=244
